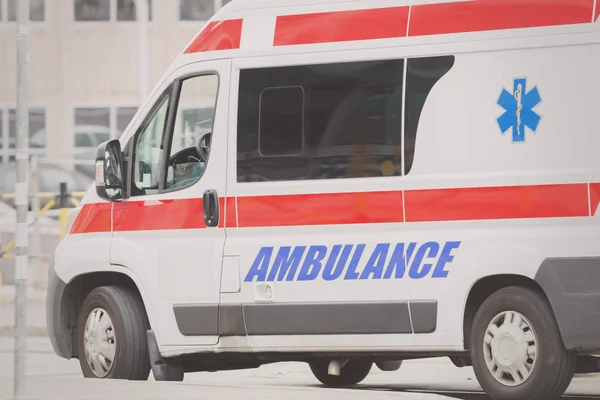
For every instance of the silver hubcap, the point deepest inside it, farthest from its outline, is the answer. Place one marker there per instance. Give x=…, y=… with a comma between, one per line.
x=99, y=342
x=510, y=348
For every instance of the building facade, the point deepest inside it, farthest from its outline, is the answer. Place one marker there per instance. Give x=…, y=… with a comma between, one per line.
x=84, y=69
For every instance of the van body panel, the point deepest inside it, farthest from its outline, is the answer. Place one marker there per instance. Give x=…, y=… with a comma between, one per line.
x=481, y=161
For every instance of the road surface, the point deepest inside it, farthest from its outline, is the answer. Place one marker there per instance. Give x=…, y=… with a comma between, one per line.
x=50, y=377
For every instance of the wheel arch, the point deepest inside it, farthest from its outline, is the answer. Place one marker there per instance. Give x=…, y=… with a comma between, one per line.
x=77, y=289
x=484, y=288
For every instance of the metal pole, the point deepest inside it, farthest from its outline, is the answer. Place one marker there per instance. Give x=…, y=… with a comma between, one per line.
x=36, y=245
x=142, y=16
x=63, y=200
x=21, y=198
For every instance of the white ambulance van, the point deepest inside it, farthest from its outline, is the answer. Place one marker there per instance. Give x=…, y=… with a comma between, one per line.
x=351, y=184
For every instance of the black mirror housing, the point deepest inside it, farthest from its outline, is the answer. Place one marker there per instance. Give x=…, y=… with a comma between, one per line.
x=109, y=171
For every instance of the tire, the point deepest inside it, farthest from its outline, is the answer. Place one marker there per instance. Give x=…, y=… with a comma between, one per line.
x=352, y=373
x=126, y=340
x=551, y=367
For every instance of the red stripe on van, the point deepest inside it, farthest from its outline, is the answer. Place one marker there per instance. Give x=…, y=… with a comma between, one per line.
x=227, y=213
x=158, y=215
x=594, y=198
x=430, y=205
x=488, y=15
x=490, y=203
x=341, y=26
x=92, y=218
x=218, y=35
x=597, y=10
x=231, y=219
x=320, y=209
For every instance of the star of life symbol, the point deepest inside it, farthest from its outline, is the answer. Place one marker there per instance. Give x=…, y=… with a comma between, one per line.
x=519, y=110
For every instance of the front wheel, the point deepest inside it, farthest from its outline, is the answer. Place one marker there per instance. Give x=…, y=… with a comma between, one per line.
x=352, y=373
x=111, y=335
x=517, y=350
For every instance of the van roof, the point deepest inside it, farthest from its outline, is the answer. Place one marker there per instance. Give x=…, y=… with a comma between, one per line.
x=246, y=28
x=244, y=24
x=239, y=5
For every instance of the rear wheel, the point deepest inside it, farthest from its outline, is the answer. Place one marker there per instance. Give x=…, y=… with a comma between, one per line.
x=111, y=335
x=352, y=373
x=517, y=350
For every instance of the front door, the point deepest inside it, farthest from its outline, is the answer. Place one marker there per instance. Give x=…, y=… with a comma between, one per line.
x=170, y=230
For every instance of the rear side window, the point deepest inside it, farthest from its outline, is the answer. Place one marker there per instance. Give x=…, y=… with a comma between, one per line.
x=281, y=122
x=333, y=121
x=328, y=121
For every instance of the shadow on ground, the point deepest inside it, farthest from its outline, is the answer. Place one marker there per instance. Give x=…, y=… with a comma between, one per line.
x=482, y=396
x=459, y=395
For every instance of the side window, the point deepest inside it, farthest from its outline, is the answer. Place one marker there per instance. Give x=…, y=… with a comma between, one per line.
x=148, y=148
x=333, y=121
x=327, y=121
x=281, y=109
x=190, y=145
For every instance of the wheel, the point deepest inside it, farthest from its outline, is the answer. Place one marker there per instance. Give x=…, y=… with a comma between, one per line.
x=517, y=350
x=111, y=335
x=352, y=373
x=389, y=365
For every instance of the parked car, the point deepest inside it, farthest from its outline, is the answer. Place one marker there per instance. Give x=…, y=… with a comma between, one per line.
x=50, y=178
x=86, y=140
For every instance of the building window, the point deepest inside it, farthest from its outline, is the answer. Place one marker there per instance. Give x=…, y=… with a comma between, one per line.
x=92, y=10
x=102, y=10
x=37, y=128
x=126, y=10
x=37, y=10
x=124, y=117
x=96, y=125
x=92, y=127
x=196, y=10
x=8, y=130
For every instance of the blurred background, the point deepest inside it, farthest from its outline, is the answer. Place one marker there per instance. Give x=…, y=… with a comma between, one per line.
x=84, y=89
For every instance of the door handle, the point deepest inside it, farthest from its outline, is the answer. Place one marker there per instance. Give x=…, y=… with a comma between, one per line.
x=210, y=208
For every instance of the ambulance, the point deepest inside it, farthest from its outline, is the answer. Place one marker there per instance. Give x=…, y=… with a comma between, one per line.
x=351, y=184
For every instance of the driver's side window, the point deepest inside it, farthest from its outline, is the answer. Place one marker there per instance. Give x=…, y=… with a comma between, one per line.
x=149, y=145
x=171, y=149
x=192, y=131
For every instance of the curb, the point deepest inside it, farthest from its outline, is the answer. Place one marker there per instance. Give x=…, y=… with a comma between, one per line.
x=32, y=331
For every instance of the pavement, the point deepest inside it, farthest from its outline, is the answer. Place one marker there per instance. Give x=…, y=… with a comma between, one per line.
x=49, y=377
x=35, y=313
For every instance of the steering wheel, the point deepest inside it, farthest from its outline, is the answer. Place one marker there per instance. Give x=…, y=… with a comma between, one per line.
x=203, y=146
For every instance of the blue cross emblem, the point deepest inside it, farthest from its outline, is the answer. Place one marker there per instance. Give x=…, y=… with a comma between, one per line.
x=519, y=110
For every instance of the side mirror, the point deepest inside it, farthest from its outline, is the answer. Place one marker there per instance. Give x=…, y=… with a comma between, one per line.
x=109, y=171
